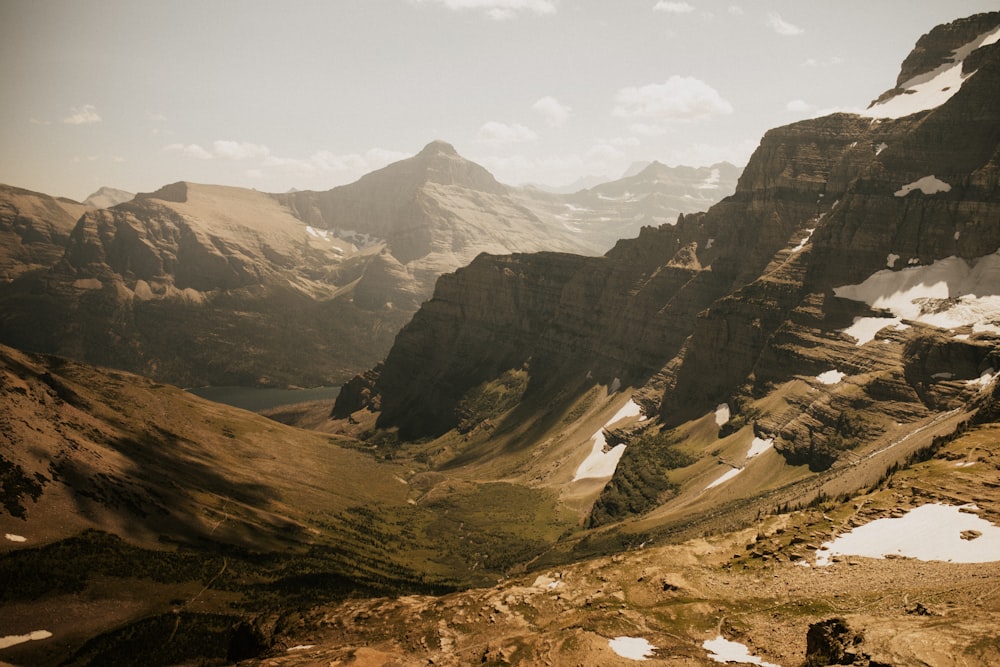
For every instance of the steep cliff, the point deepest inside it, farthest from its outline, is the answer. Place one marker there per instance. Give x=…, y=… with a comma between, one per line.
x=759, y=305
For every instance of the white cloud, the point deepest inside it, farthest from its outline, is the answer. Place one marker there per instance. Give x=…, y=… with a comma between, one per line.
x=155, y=117
x=832, y=61
x=703, y=155
x=673, y=7
x=190, y=150
x=680, y=98
x=498, y=10
x=554, y=112
x=494, y=132
x=781, y=26
x=35, y=121
x=328, y=162
x=735, y=10
x=239, y=150
x=798, y=106
x=604, y=153
x=85, y=115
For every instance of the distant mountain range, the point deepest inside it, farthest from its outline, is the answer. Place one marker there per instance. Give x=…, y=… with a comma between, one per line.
x=211, y=285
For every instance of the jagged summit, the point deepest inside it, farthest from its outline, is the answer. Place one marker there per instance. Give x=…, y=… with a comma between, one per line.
x=438, y=147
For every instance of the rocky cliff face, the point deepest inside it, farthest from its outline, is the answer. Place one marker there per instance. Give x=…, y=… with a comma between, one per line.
x=750, y=299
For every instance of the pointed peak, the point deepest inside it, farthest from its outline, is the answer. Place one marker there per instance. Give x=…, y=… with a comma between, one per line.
x=438, y=147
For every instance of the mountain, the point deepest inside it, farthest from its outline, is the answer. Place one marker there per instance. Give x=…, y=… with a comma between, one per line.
x=766, y=433
x=200, y=284
x=34, y=229
x=804, y=330
x=655, y=195
x=107, y=197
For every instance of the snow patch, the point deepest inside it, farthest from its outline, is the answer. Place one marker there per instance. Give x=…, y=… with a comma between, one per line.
x=634, y=648
x=630, y=409
x=301, y=647
x=830, y=377
x=710, y=243
x=881, y=147
x=600, y=463
x=864, y=328
x=983, y=380
x=721, y=649
x=722, y=414
x=929, y=532
x=929, y=185
x=949, y=293
x=890, y=259
x=323, y=234
x=13, y=640
x=15, y=538
x=943, y=375
x=726, y=476
x=932, y=89
x=804, y=241
x=759, y=446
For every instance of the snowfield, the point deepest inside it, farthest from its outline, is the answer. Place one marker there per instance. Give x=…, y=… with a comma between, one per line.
x=929, y=185
x=600, y=463
x=950, y=293
x=722, y=414
x=931, y=90
x=831, y=377
x=721, y=649
x=929, y=532
x=632, y=647
x=757, y=447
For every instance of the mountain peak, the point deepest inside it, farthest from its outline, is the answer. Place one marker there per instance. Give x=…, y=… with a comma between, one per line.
x=438, y=147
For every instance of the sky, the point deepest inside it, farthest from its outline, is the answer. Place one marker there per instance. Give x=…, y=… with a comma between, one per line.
x=310, y=94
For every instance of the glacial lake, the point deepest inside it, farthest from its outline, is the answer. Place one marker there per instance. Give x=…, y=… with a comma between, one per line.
x=257, y=399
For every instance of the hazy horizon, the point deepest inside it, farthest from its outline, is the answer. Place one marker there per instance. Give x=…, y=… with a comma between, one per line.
x=311, y=95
